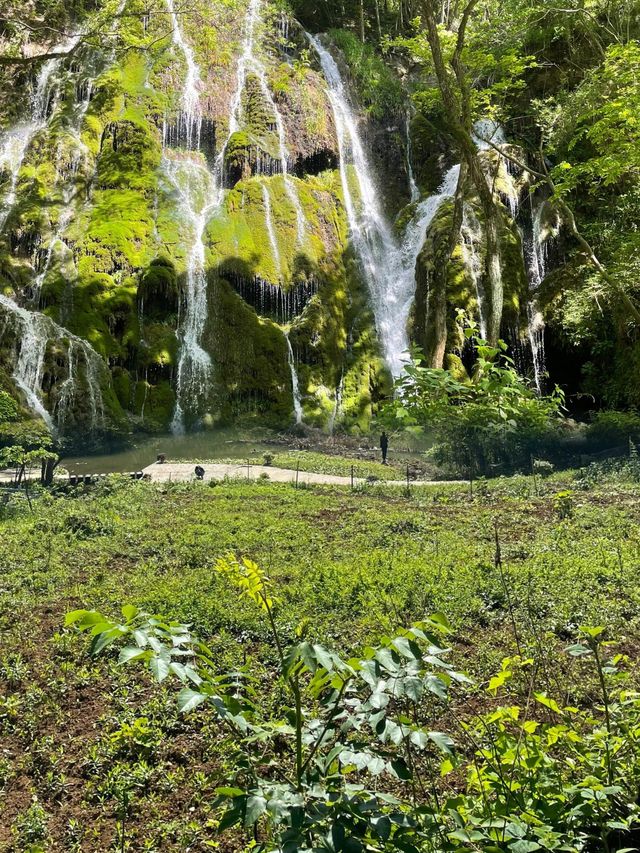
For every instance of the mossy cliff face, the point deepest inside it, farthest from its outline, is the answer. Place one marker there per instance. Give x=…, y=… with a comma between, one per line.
x=451, y=269
x=97, y=238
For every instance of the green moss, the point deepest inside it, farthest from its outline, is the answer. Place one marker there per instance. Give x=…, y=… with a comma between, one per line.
x=379, y=88
x=159, y=346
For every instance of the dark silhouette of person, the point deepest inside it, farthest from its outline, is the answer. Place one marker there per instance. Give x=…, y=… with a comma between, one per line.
x=384, y=446
x=199, y=472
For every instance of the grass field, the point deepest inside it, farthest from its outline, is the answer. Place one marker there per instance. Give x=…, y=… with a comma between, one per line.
x=78, y=768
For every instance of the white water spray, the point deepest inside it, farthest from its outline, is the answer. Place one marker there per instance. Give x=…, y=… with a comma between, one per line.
x=14, y=144
x=249, y=61
x=414, y=192
x=295, y=386
x=198, y=192
x=389, y=268
x=266, y=200
x=191, y=114
x=36, y=331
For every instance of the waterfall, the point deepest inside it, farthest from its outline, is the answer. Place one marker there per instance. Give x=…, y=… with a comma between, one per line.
x=295, y=386
x=337, y=404
x=414, y=192
x=16, y=141
x=471, y=233
x=198, y=192
x=372, y=239
x=66, y=186
x=266, y=199
x=402, y=268
x=388, y=267
x=191, y=114
x=535, y=243
x=36, y=331
x=249, y=61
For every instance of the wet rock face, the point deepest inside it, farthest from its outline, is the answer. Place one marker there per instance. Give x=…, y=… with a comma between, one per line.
x=204, y=161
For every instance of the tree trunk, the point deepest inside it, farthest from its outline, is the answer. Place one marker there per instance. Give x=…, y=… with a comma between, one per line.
x=47, y=471
x=458, y=110
x=435, y=335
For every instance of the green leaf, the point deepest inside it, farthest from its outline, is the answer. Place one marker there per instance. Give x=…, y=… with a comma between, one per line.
x=578, y=650
x=85, y=619
x=385, y=658
x=256, y=806
x=442, y=741
x=323, y=657
x=226, y=791
x=189, y=699
x=412, y=688
x=400, y=768
x=104, y=639
x=129, y=611
x=522, y=846
x=159, y=667
x=129, y=653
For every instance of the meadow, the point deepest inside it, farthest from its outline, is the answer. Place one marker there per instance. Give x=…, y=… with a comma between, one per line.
x=95, y=756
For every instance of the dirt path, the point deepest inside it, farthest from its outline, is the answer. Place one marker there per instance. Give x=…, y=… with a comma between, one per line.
x=184, y=471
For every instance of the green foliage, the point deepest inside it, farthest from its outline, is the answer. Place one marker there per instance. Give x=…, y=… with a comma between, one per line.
x=344, y=717
x=595, y=124
x=493, y=418
x=539, y=777
x=378, y=87
x=553, y=777
x=609, y=429
x=8, y=408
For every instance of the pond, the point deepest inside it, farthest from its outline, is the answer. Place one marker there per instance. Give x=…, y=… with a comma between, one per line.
x=192, y=447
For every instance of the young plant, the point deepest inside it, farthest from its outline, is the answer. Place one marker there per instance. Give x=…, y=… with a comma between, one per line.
x=308, y=778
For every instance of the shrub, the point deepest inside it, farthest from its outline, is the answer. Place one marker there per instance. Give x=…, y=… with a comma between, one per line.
x=493, y=420
x=612, y=429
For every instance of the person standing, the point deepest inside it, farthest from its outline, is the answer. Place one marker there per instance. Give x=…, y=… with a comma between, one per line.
x=384, y=446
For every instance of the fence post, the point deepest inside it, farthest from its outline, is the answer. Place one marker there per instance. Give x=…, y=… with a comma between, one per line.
x=352, y=478
x=408, y=486
x=297, y=473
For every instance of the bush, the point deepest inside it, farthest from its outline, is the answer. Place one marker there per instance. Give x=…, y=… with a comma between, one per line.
x=613, y=429
x=489, y=422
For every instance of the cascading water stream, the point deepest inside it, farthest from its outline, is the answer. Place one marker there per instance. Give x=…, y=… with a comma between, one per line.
x=414, y=192
x=249, y=61
x=66, y=186
x=295, y=385
x=535, y=250
x=199, y=192
x=36, y=330
x=389, y=268
x=16, y=141
x=471, y=233
x=337, y=404
x=191, y=114
x=266, y=200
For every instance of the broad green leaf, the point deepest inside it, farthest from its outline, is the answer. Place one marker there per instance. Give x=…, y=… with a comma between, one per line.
x=256, y=806
x=159, y=667
x=129, y=653
x=189, y=699
x=129, y=611
x=442, y=741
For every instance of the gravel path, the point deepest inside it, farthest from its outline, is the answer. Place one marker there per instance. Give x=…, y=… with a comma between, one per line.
x=184, y=471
